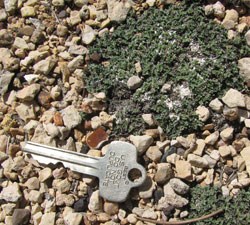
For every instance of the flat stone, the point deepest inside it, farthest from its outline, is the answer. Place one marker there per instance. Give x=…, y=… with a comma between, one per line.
x=95, y=202
x=216, y=105
x=35, y=196
x=234, y=98
x=48, y=218
x=200, y=146
x=212, y=138
x=71, y=117
x=26, y=111
x=28, y=11
x=32, y=183
x=134, y=82
x=20, y=43
x=44, y=66
x=164, y=173
x=224, y=151
x=75, y=17
x=117, y=11
x=88, y=35
x=96, y=138
x=179, y=186
x=73, y=218
x=11, y=193
x=5, y=79
x=244, y=67
x=245, y=153
x=183, y=169
x=227, y=134
x=141, y=142
x=154, y=153
x=20, y=216
x=31, y=126
x=150, y=214
x=197, y=161
x=28, y=93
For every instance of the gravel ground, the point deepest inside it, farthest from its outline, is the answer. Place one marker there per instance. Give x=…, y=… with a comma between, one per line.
x=43, y=56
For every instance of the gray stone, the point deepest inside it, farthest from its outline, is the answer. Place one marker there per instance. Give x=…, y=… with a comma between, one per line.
x=26, y=111
x=40, y=136
x=71, y=117
x=6, y=38
x=179, y=186
x=5, y=79
x=88, y=35
x=197, y=161
x=10, y=5
x=11, y=193
x=219, y=10
x=51, y=129
x=20, y=216
x=146, y=190
x=134, y=82
x=244, y=67
x=31, y=126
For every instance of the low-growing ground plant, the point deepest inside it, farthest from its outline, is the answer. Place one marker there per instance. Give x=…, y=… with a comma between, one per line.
x=204, y=200
x=178, y=46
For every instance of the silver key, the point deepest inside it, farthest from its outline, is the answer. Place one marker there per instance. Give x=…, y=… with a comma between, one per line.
x=113, y=170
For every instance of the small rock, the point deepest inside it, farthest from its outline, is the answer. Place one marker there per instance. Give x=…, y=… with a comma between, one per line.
x=95, y=202
x=28, y=11
x=164, y=173
x=134, y=82
x=111, y=208
x=58, y=120
x=44, y=99
x=75, y=17
x=75, y=63
x=148, y=118
x=216, y=105
x=26, y=111
x=247, y=123
x=96, y=138
x=10, y=5
x=234, y=98
x=32, y=183
x=224, y=151
x=219, y=10
x=141, y=142
x=132, y=218
x=150, y=214
x=3, y=15
x=244, y=66
x=51, y=129
x=45, y=174
x=35, y=196
x=179, y=186
x=11, y=193
x=197, y=161
x=227, y=134
x=63, y=186
x=28, y=93
x=232, y=14
x=5, y=79
x=6, y=38
x=231, y=114
x=183, y=169
x=73, y=218
x=48, y=218
x=44, y=66
x=212, y=138
x=81, y=205
x=211, y=162
x=20, y=43
x=4, y=142
x=200, y=146
x=147, y=189
x=154, y=153
x=210, y=177
x=203, y=113
x=71, y=117
x=215, y=155
x=20, y=216
x=225, y=191
x=247, y=36
x=88, y=35
x=58, y=3
x=117, y=11
x=31, y=126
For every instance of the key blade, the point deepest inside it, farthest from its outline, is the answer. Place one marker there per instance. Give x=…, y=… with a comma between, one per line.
x=75, y=161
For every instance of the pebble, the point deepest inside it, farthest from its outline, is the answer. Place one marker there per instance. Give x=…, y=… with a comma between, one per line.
x=35, y=196
x=219, y=10
x=96, y=138
x=200, y=146
x=71, y=117
x=234, y=98
x=117, y=11
x=212, y=138
x=95, y=202
x=224, y=151
x=20, y=43
x=32, y=183
x=141, y=142
x=134, y=82
x=44, y=66
x=88, y=35
x=5, y=80
x=183, y=169
x=58, y=3
x=81, y=205
x=147, y=189
x=28, y=11
x=150, y=214
x=63, y=186
x=10, y=6
x=203, y=113
x=197, y=161
x=244, y=67
x=73, y=218
x=154, y=153
x=48, y=218
x=28, y=93
x=216, y=105
x=245, y=153
x=247, y=36
x=149, y=119
x=132, y=218
x=20, y=216
x=179, y=186
x=45, y=174
x=111, y=208
x=11, y=193
x=164, y=173
x=227, y=134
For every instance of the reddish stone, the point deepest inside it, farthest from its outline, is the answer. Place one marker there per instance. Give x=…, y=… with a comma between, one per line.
x=58, y=120
x=44, y=99
x=87, y=125
x=97, y=137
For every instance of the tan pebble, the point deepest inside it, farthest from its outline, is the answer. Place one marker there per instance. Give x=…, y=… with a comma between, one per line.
x=111, y=208
x=183, y=169
x=45, y=174
x=212, y=138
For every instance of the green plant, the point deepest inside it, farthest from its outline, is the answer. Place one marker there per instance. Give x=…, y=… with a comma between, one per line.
x=177, y=45
x=204, y=200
